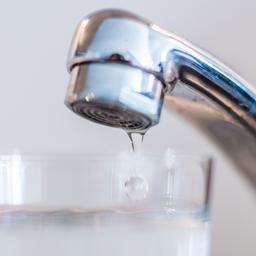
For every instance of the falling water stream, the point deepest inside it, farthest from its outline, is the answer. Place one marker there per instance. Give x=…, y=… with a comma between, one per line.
x=136, y=186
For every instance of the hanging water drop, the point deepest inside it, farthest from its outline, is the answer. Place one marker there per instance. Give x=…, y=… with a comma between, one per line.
x=136, y=139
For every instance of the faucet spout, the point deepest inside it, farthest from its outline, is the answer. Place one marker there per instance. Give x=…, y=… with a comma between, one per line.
x=122, y=67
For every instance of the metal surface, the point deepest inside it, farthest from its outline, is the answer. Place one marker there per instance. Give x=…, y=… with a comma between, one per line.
x=115, y=95
x=126, y=55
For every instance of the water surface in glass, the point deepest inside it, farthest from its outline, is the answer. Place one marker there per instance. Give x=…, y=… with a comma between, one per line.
x=101, y=233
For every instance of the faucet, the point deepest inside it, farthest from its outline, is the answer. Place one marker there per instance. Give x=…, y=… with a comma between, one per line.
x=123, y=67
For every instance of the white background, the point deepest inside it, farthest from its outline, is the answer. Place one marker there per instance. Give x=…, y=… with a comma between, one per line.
x=35, y=37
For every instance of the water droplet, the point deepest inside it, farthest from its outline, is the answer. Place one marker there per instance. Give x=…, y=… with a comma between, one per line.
x=136, y=139
x=136, y=188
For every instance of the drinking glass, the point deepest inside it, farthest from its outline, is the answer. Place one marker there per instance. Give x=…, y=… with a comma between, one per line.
x=105, y=205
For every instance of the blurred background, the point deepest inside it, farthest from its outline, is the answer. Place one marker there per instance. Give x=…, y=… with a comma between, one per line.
x=35, y=38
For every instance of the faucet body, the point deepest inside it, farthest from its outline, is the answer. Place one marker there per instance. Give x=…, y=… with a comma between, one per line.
x=122, y=67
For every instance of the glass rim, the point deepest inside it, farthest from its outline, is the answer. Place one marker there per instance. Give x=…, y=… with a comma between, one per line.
x=100, y=156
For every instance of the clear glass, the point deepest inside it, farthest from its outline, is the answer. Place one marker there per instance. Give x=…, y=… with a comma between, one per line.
x=102, y=205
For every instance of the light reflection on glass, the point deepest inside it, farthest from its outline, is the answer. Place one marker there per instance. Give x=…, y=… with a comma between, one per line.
x=12, y=180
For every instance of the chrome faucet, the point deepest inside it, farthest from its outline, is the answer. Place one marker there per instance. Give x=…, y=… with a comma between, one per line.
x=122, y=67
